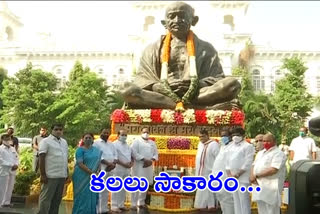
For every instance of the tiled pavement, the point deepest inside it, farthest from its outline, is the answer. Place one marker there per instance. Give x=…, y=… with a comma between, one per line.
x=66, y=208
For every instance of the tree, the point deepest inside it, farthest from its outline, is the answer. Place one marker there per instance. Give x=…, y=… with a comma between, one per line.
x=77, y=71
x=291, y=100
x=26, y=98
x=3, y=76
x=85, y=105
x=259, y=112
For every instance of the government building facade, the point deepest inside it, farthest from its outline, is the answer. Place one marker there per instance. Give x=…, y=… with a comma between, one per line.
x=222, y=23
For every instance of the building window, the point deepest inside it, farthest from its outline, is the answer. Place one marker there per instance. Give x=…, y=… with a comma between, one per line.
x=257, y=80
x=9, y=33
x=228, y=19
x=149, y=20
x=318, y=84
x=59, y=71
x=278, y=73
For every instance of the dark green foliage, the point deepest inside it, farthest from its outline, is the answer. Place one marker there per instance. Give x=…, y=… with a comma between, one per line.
x=292, y=102
x=23, y=183
x=26, y=98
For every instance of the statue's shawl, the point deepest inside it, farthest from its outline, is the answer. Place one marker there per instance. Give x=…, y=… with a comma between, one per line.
x=208, y=65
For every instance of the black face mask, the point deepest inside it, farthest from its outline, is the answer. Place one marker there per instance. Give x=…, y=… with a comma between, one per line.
x=104, y=137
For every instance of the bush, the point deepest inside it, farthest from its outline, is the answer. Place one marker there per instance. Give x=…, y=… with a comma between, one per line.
x=25, y=157
x=23, y=183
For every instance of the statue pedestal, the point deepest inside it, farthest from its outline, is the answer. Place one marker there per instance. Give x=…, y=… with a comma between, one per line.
x=176, y=136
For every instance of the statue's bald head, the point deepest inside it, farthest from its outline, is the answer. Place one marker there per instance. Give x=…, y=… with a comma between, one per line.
x=179, y=18
x=180, y=6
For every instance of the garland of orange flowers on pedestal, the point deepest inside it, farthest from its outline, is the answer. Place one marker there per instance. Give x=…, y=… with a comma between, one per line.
x=192, y=71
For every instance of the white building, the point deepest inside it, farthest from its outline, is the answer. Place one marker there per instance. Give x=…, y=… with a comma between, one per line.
x=223, y=23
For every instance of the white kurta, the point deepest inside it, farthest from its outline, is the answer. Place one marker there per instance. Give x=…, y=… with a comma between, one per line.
x=206, y=155
x=271, y=186
x=303, y=148
x=240, y=157
x=8, y=158
x=109, y=153
x=225, y=198
x=146, y=149
x=124, y=155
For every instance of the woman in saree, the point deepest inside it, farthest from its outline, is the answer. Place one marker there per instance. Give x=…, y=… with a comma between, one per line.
x=87, y=162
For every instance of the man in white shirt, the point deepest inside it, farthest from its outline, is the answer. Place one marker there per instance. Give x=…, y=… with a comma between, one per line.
x=225, y=198
x=8, y=166
x=53, y=162
x=125, y=162
x=109, y=159
x=302, y=147
x=238, y=165
x=145, y=152
x=268, y=171
x=284, y=147
x=208, y=150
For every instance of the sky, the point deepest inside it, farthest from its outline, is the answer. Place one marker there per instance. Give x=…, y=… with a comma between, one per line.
x=279, y=23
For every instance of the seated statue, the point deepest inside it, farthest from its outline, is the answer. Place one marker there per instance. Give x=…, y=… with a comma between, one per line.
x=180, y=68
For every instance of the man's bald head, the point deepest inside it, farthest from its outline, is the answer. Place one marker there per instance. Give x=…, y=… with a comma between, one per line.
x=259, y=142
x=259, y=137
x=269, y=138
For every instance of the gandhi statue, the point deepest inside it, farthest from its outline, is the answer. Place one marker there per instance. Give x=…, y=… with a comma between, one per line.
x=180, y=67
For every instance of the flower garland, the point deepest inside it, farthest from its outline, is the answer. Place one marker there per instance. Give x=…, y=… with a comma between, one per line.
x=189, y=116
x=192, y=70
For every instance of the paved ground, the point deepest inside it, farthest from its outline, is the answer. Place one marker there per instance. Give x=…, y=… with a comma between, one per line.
x=66, y=208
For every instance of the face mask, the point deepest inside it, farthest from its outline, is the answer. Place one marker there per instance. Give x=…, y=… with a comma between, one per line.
x=104, y=137
x=145, y=135
x=267, y=145
x=224, y=140
x=88, y=142
x=123, y=138
x=302, y=134
x=237, y=139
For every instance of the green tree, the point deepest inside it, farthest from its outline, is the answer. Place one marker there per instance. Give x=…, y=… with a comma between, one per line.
x=291, y=100
x=257, y=107
x=77, y=71
x=26, y=98
x=3, y=76
x=84, y=105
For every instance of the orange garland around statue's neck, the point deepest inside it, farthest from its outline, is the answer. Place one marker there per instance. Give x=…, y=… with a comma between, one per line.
x=166, y=56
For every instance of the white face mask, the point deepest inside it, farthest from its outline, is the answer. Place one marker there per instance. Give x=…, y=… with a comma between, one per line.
x=145, y=135
x=123, y=138
x=237, y=139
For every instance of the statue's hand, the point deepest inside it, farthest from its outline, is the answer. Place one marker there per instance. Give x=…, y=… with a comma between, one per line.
x=180, y=87
x=179, y=83
x=158, y=87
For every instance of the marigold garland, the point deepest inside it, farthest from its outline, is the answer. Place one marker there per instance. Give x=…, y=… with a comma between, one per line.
x=192, y=69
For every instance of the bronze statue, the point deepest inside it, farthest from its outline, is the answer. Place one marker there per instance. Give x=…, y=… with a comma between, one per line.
x=180, y=68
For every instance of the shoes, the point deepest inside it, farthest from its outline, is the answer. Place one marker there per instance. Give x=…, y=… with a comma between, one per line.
x=142, y=206
x=7, y=205
x=123, y=208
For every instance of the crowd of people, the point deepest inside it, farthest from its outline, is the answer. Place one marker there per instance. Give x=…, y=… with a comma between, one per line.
x=259, y=164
